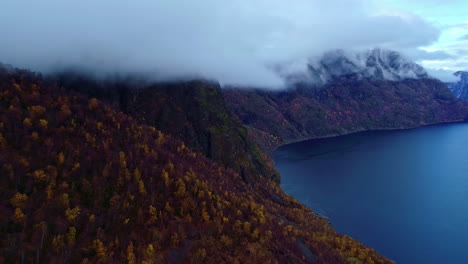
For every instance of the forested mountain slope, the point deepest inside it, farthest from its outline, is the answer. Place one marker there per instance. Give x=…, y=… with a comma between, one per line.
x=347, y=104
x=192, y=111
x=82, y=182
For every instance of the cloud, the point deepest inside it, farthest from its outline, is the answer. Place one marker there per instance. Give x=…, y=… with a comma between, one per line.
x=236, y=42
x=462, y=25
x=444, y=75
x=464, y=37
x=420, y=54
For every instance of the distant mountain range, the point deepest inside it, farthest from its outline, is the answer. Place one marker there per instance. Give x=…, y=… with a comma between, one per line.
x=375, y=64
x=346, y=92
x=460, y=88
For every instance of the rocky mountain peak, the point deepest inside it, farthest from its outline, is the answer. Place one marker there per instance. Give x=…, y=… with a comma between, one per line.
x=376, y=64
x=460, y=88
x=463, y=75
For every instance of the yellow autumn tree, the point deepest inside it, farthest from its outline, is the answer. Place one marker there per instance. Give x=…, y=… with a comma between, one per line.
x=72, y=214
x=43, y=123
x=71, y=236
x=131, y=258
x=149, y=255
x=18, y=216
x=40, y=175
x=101, y=251
x=27, y=122
x=19, y=200
x=180, y=188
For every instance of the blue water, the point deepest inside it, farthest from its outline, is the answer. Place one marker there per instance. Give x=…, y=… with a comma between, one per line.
x=403, y=193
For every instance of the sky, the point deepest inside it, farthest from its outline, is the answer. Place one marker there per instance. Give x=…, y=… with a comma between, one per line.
x=237, y=42
x=450, y=17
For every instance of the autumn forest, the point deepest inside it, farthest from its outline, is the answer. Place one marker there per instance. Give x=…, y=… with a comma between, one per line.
x=82, y=182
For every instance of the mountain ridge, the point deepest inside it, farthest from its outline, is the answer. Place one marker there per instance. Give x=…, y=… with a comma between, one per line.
x=376, y=64
x=343, y=106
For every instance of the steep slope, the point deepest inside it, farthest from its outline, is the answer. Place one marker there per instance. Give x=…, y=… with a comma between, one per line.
x=346, y=104
x=84, y=183
x=193, y=111
x=460, y=88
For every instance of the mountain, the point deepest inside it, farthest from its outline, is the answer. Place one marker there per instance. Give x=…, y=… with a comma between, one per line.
x=375, y=64
x=460, y=88
x=83, y=182
x=370, y=91
x=192, y=111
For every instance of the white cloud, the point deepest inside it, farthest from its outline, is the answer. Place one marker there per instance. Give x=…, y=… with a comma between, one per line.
x=235, y=42
x=443, y=75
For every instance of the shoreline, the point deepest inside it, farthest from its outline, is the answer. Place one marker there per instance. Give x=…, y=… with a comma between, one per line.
x=308, y=190
x=293, y=141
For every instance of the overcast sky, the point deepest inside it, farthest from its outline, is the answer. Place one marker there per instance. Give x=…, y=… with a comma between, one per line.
x=450, y=17
x=233, y=41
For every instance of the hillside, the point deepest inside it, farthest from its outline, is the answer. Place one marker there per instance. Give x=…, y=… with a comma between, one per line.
x=192, y=111
x=84, y=183
x=346, y=104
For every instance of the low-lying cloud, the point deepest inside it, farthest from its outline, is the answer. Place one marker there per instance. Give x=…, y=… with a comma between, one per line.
x=237, y=42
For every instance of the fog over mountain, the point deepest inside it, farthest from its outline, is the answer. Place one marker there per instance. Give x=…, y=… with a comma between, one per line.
x=237, y=42
x=376, y=64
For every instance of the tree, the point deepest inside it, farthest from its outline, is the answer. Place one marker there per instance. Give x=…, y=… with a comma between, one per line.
x=131, y=258
x=57, y=243
x=93, y=103
x=101, y=251
x=141, y=187
x=60, y=158
x=27, y=122
x=205, y=216
x=180, y=188
x=153, y=212
x=43, y=123
x=18, y=216
x=149, y=255
x=40, y=175
x=19, y=200
x=36, y=111
x=71, y=236
x=72, y=214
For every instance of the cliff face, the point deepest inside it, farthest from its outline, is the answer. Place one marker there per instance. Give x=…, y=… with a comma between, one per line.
x=194, y=112
x=83, y=182
x=345, y=105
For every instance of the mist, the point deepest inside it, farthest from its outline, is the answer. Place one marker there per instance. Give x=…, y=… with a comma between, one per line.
x=236, y=42
x=445, y=75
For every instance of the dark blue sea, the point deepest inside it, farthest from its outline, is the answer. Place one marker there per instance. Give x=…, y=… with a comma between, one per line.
x=403, y=193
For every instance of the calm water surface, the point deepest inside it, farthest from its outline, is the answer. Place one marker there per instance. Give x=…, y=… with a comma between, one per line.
x=404, y=193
